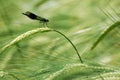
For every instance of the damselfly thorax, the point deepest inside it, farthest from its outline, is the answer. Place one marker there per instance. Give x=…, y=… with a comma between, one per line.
x=36, y=17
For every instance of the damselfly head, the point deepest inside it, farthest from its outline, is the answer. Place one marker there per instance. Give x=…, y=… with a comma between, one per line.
x=44, y=20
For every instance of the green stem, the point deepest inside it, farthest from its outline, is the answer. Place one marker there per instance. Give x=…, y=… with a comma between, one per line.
x=108, y=30
x=31, y=32
x=71, y=44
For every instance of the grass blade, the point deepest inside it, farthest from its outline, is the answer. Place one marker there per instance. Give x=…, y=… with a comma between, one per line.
x=105, y=33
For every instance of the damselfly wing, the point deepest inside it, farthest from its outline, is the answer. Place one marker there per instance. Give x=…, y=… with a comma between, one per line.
x=36, y=17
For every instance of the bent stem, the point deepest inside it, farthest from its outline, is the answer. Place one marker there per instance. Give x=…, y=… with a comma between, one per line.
x=30, y=33
x=108, y=30
x=71, y=44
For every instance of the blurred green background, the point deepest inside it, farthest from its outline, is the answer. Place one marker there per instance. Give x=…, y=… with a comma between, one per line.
x=82, y=21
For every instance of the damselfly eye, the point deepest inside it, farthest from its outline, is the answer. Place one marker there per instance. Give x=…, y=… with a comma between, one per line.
x=47, y=20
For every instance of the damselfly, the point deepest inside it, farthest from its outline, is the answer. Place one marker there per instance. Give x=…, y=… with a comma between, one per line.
x=36, y=17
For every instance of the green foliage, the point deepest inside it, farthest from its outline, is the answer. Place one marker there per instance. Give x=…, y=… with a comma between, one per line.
x=117, y=24
x=91, y=26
